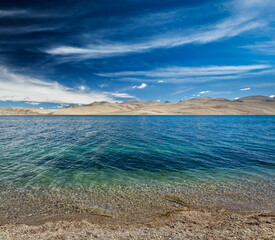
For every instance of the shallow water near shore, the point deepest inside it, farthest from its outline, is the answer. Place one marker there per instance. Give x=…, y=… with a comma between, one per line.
x=124, y=167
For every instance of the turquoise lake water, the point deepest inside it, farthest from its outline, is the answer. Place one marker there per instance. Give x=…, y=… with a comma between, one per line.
x=124, y=166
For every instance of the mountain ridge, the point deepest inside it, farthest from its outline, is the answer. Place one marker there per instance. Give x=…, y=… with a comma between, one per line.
x=250, y=105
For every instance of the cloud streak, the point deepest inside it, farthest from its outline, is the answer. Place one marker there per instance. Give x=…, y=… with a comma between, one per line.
x=120, y=95
x=189, y=74
x=267, y=47
x=27, y=29
x=18, y=87
x=201, y=36
x=27, y=14
x=12, y=13
x=239, y=22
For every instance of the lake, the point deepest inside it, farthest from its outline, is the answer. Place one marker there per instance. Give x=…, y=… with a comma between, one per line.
x=125, y=166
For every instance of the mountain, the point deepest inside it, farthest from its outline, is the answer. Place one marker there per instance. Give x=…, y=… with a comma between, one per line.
x=256, y=98
x=251, y=105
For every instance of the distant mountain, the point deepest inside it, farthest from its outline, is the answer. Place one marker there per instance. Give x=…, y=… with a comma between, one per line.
x=96, y=103
x=251, y=105
x=139, y=102
x=222, y=99
x=256, y=98
x=208, y=99
x=201, y=99
x=134, y=102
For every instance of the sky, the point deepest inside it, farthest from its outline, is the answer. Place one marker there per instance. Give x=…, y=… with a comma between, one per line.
x=57, y=53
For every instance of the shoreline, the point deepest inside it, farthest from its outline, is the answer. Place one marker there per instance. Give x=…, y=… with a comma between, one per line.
x=111, y=115
x=192, y=224
x=120, y=207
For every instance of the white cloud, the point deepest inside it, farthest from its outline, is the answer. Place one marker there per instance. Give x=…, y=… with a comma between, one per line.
x=120, y=95
x=202, y=93
x=62, y=105
x=272, y=96
x=236, y=98
x=190, y=71
x=19, y=87
x=189, y=74
x=268, y=47
x=228, y=28
x=33, y=103
x=245, y=89
x=82, y=88
x=143, y=85
x=160, y=81
x=244, y=17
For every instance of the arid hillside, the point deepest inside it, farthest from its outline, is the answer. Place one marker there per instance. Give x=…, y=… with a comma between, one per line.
x=252, y=105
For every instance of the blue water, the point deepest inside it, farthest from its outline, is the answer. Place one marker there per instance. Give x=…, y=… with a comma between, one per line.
x=115, y=164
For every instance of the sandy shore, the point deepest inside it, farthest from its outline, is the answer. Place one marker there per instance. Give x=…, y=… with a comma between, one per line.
x=197, y=224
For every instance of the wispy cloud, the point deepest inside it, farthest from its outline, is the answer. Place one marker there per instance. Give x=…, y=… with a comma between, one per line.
x=190, y=71
x=19, y=87
x=27, y=29
x=267, y=47
x=188, y=74
x=239, y=22
x=11, y=13
x=181, y=91
x=245, y=89
x=120, y=95
x=263, y=84
x=28, y=13
x=29, y=26
x=228, y=28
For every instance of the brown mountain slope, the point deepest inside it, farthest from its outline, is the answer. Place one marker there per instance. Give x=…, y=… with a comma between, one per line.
x=252, y=105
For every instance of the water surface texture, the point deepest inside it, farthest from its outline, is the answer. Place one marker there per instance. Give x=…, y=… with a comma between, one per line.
x=124, y=166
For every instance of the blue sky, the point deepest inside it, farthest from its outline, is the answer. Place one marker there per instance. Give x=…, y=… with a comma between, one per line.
x=55, y=53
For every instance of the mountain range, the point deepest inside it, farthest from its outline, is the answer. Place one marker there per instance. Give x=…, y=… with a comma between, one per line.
x=250, y=105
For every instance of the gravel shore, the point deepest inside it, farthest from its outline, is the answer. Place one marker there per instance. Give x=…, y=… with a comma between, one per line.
x=195, y=224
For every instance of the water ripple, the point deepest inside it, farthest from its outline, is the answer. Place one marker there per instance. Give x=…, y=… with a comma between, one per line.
x=218, y=160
